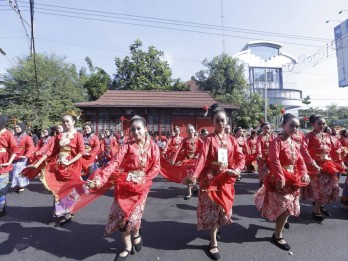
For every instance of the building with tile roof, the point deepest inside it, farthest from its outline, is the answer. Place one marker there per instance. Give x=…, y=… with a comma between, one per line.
x=162, y=109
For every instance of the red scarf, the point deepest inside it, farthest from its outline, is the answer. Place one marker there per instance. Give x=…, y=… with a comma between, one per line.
x=221, y=191
x=293, y=181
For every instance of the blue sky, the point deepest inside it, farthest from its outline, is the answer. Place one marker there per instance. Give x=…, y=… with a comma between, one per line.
x=103, y=41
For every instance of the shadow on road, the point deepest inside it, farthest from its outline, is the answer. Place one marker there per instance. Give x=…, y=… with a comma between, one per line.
x=186, y=207
x=168, y=193
x=58, y=241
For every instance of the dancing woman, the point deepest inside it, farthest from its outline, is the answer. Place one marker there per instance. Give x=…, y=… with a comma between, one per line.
x=316, y=150
x=108, y=147
x=172, y=145
x=218, y=165
x=187, y=153
x=134, y=167
x=8, y=152
x=92, y=147
x=262, y=150
x=250, y=160
x=26, y=150
x=65, y=165
x=278, y=198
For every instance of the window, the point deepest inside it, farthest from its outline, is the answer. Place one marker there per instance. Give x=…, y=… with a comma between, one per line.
x=264, y=52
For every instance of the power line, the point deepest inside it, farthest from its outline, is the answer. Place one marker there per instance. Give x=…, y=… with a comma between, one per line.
x=33, y=50
x=15, y=8
x=5, y=55
x=169, y=28
x=182, y=23
x=109, y=49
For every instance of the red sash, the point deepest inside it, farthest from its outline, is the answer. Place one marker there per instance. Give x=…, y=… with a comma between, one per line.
x=328, y=167
x=293, y=181
x=221, y=191
x=176, y=173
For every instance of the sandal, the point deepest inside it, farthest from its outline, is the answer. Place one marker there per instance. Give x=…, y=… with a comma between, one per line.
x=318, y=217
x=325, y=211
x=285, y=246
x=214, y=256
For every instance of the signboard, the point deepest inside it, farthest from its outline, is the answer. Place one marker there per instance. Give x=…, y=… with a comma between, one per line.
x=341, y=41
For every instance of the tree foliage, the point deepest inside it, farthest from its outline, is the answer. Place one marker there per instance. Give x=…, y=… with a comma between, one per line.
x=307, y=100
x=96, y=82
x=43, y=104
x=144, y=70
x=224, y=78
x=334, y=115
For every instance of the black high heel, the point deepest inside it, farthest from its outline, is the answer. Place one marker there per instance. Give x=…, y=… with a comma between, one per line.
x=138, y=246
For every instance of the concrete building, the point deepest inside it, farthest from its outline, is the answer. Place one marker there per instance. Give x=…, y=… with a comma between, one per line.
x=264, y=64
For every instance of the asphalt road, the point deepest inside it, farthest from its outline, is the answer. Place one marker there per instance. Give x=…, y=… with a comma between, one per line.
x=169, y=229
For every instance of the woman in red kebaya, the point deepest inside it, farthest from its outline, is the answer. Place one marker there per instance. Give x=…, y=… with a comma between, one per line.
x=298, y=138
x=336, y=153
x=344, y=141
x=316, y=150
x=217, y=167
x=26, y=150
x=40, y=149
x=109, y=146
x=344, y=154
x=250, y=160
x=242, y=142
x=45, y=138
x=121, y=140
x=65, y=165
x=262, y=150
x=279, y=197
x=92, y=147
x=8, y=152
x=172, y=145
x=188, y=152
x=134, y=167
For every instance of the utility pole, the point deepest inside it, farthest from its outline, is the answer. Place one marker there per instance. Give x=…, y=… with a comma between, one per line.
x=265, y=92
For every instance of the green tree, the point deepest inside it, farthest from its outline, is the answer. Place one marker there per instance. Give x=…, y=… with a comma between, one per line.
x=144, y=70
x=224, y=78
x=43, y=104
x=307, y=100
x=96, y=82
x=307, y=113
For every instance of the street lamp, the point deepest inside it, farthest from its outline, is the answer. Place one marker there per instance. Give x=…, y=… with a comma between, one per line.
x=328, y=21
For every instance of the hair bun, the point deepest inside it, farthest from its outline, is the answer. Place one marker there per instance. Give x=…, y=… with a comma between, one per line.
x=215, y=107
x=138, y=118
x=313, y=118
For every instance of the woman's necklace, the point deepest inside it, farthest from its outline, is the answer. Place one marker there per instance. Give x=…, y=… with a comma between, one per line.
x=292, y=149
x=222, y=140
x=142, y=147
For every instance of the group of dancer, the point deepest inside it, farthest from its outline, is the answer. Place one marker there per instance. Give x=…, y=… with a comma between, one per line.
x=78, y=168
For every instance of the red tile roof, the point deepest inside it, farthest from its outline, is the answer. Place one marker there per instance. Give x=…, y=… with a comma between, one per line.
x=153, y=99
